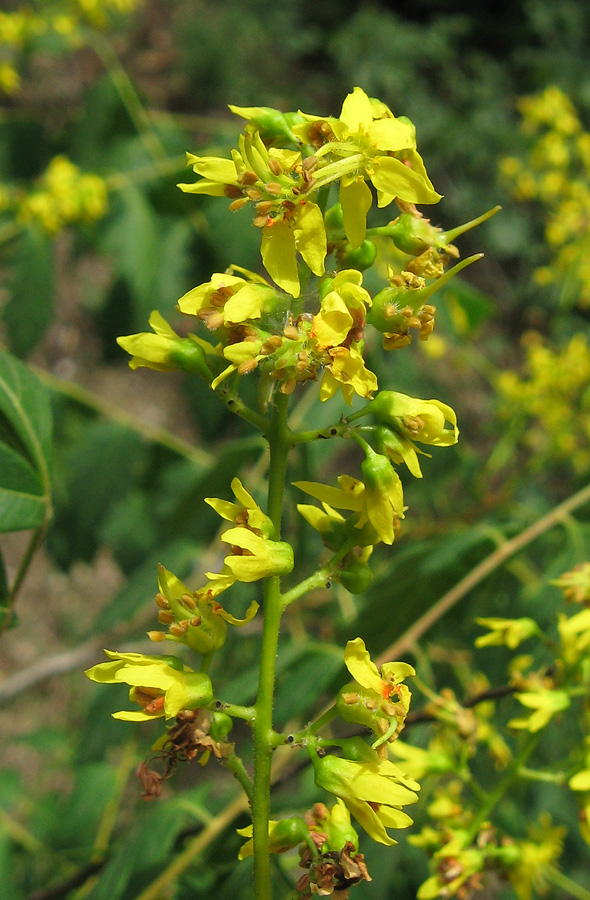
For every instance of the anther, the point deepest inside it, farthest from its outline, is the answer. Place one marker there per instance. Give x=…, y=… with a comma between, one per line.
x=350, y=699
x=166, y=617
x=162, y=602
x=310, y=163
x=238, y=204
x=214, y=321
x=247, y=177
x=273, y=187
x=247, y=366
x=264, y=207
x=275, y=166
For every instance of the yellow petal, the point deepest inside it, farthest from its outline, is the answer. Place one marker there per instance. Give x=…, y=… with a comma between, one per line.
x=210, y=188
x=332, y=323
x=278, y=255
x=368, y=819
x=250, y=613
x=356, y=200
x=364, y=671
x=333, y=496
x=357, y=111
x=392, y=177
x=391, y=134
x=136, y=715
x=310, y=236
x=215, y=168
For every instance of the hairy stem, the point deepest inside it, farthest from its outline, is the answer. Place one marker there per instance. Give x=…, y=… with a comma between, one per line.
x=279, y=443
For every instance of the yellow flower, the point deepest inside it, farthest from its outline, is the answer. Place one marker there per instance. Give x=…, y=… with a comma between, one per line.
x=297, y=230
x=508, y=632
x=545, y=705
x=536, y=857
x=346, y=370
x=229, y=299
x=367, y=141
x=424, y=421
x=374, y=790
x=378, y=700
x=278, y=183
x=353, y=495
x=417, y=762
x=254, y=555
x=342, y=311
x=245, y=512
x=165, y=351
x=195, y=618
x=282, y=834
x=161, y=685
x=383, y=494
x=574, y=632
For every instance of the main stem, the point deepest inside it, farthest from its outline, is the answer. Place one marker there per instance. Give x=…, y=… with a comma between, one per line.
x=279, y=444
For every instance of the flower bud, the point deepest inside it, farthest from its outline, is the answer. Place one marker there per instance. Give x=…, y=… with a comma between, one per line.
x=282, y=835
x=416, y=420
x=333, y=218
x=362, y=258
x=271, y=123
x=221, y=726
x=356, y=576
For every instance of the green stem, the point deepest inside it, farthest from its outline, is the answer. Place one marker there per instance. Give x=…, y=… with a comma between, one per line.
x=569, y=887
x=237, y=406
x=279, y=443
x=319, y=578
x=128, y=95
x=247, y=713
x=235, y=765
x=503, y=787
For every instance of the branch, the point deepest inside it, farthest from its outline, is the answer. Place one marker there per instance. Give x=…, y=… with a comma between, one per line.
x=480, y=572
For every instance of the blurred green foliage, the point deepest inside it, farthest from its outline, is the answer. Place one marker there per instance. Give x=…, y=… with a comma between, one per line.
x=122, y=103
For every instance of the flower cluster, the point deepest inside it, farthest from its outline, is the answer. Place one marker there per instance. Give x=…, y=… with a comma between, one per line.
x=548, y=405
x=556, y=174
x=365, y=143
x=63, y=195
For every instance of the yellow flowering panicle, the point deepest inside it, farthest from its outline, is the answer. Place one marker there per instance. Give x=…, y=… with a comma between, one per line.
x=556, y=174
x=64, y=195
x=549, y=403
x=308, y=182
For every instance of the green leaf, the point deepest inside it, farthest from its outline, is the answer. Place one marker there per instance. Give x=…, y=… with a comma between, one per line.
x=22, y=501
x=140, y=853
x=25, y=447
x=29, y=309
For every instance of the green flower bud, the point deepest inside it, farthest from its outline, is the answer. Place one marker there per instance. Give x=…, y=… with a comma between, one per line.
x=188, y=356
x=221, y=726
x=355, y=576
x=270, y=122
x=362, y=258
x=282, y=835
x=414, y=235
x=333, y=218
